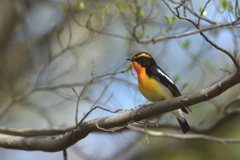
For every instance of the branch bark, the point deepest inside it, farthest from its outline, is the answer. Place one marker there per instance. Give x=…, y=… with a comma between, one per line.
x=64, y=141
x=185, y=136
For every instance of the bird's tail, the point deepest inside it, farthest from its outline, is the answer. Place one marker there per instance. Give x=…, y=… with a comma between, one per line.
x=184, y=125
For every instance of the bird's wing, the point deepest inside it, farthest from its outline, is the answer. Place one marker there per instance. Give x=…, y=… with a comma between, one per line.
x=162, y=77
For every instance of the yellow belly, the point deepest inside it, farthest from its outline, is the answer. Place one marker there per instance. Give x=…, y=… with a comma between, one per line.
x=153, y=90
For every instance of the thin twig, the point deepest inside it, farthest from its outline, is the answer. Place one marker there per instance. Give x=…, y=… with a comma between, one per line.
x=101, y=95
x=205, y=6
x=65, y=154
x=113, y=130
x=99, y=108
x=205, y=37
x=146, y=133
x=90, y=82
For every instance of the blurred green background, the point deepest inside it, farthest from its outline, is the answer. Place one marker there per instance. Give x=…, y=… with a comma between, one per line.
x=44, y=53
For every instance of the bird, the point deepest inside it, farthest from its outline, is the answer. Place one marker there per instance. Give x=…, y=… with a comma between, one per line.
x=156, y=85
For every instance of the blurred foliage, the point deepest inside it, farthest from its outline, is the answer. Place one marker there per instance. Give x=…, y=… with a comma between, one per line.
x=171, y=20
x=224, y=4
x=48, y=53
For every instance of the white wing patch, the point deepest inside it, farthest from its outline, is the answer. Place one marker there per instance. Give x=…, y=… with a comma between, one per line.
x=165, y=76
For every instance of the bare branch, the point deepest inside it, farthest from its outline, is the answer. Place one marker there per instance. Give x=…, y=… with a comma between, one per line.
x=205, y=6
x=83, y=129
x=41, y=131
x=72, y=134
x=90, y=82
x=220, y=121
x=50, y=131
x=65, y=154
x=101, y=95
x=40, y=143
x=131, y=31
x=204, y=36
x=184, y=136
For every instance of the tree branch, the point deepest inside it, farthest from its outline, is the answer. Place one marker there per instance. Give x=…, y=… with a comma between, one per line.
x=197, y=128
x=50, y=131
x=184, y=136
x=29, y=132
x=83, y=129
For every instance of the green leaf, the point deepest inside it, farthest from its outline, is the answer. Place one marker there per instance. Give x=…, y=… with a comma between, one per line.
x=186, y=44
x=152, y=1
x=92, y=73
x=230, y=8
x=122, y=6
x=184, y=86
x=129, y=67
x=81, y=5
x=138, y=34
x=204, y=12
x=224, y=4
x=208, y=65
x=166, y=19
x=105, y=10
x=140, y=13
x=238, y=13
x=98, y=7
x=73, y=89
x=235, y=54
x=63, y=8
x=175, y=79
x=172, y=20
x=119, y=6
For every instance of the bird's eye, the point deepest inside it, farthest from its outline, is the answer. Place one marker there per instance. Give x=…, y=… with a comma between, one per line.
x=141, y=57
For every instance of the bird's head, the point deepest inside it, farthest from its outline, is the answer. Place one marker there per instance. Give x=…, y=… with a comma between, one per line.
x=143, y=59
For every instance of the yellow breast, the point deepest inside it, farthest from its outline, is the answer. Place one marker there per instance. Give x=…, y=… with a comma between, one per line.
x=152, y=89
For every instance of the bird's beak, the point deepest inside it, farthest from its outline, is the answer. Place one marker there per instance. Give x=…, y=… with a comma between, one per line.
x=130, y=59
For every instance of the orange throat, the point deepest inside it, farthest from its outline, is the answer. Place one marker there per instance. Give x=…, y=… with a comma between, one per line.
x=138, y=68
x=141, y=72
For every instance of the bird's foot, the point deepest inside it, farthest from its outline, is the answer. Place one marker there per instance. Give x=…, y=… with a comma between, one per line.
x=141, y=105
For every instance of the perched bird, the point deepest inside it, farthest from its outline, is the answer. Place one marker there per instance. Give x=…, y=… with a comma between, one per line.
x=156, y=85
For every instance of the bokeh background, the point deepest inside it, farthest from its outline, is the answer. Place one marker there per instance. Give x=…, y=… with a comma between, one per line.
x=45, y=52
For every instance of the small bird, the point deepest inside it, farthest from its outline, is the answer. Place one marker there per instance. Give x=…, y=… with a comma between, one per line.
x=155, y=84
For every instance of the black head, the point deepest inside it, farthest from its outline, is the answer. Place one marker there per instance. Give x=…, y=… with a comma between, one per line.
x=143, y=58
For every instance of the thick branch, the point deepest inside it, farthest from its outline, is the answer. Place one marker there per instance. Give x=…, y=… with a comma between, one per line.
x=51, y=131
x=62, y=142
x=30, y=132
x=40, y=143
